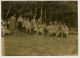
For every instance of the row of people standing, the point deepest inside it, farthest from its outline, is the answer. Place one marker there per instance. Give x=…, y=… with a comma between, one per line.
x=23, y=23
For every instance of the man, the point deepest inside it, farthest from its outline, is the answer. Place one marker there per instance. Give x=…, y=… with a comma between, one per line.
x=28, y=26
x=20, y=20
x=40, y=20
x=52, y=29
x=34, y=26
x=5, y=30
x=24, y=25
x=40, y=29
x=45, y=28
x=59, y=30
x=65, y=30
x=12, y=24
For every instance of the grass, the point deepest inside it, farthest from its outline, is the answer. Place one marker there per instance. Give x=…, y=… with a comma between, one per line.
x=21, y=44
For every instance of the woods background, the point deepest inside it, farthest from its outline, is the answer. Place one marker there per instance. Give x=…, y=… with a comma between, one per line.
x=65, y=11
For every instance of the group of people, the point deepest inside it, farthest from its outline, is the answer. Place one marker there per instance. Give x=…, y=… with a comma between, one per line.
x=33, y=26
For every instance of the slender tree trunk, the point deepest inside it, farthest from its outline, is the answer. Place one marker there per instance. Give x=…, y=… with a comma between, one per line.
x=45, y=14
x=14, y=6
x=35, y=9
x=41, y=9
x=56, y=14
x=8, y=10
x=73, y=15
x=73, y=8
x=50, y=13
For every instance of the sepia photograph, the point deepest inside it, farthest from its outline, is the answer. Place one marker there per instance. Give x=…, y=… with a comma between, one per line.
x=39, y=28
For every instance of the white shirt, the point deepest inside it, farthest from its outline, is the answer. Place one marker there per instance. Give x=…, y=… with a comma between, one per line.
x=20, y=19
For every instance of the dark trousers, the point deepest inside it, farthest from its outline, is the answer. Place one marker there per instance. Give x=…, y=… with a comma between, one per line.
x=20, y=26
x=24, y=29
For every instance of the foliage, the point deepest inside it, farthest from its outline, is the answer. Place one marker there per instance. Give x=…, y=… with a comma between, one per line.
x=65, y=11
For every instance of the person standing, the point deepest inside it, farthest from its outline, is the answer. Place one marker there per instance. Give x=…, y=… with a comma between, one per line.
x=28, y=26
x=12, y=24
x=24, y=25
x=39, y=20
x=34, y=26
x=19, y=21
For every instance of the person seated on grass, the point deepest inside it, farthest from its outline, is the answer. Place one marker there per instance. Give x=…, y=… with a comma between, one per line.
x=50, y=29
x=40, y=29
x=65, y=30
x=4, y=29
x=59, y=30
x=45, y=28
x=53, y=28
x=62, y=31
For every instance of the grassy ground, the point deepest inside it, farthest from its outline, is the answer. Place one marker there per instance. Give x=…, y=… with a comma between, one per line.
x=39, y=45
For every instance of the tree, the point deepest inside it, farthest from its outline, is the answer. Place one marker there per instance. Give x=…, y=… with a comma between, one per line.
x=49, y=10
